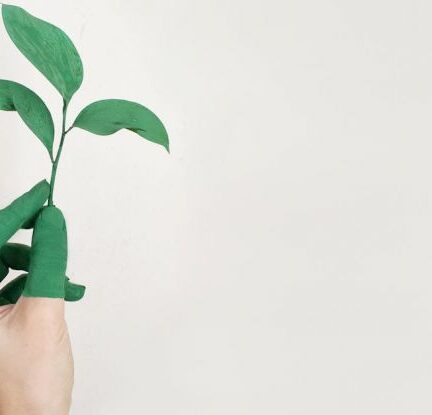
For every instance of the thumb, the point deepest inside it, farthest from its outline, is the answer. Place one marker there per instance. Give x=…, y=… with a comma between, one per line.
x=48, y=257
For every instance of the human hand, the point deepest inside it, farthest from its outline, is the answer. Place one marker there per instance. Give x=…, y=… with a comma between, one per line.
x=36, y=365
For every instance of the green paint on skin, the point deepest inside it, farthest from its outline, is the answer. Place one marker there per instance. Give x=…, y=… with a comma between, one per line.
x=12, y=291
x=47, y=270
x=30, y=223
x=21, y=210
x=74, y=292
x=3, y=301
x=4, y=271
x=46, y=260
x=17, y=257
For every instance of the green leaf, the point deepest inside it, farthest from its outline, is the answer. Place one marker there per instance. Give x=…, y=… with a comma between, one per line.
x=109, y=116
x=47, y=47
x=33, y=111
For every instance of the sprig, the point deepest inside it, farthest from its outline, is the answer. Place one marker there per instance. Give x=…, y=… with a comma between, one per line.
x=52, y=52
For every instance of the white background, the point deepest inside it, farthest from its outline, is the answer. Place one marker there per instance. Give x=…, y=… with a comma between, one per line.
x=279, y=260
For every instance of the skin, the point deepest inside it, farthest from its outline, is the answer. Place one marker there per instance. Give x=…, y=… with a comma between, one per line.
x=36, y=364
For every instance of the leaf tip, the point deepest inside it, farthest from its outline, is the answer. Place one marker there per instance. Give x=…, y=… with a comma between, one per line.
x=8, y=7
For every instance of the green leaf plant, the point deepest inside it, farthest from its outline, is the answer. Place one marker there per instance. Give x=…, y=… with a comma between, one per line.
x=51, y=51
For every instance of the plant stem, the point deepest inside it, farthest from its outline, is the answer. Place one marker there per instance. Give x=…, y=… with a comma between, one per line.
x=59, y=152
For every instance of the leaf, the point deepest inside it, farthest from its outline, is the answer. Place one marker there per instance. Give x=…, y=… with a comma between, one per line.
x=47, y=47
x=33, y=111
x=109, y=116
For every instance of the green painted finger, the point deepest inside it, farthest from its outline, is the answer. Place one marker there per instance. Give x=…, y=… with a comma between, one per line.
x=74, y=292
x=17, y=257
x=12, y=291
x=29, y=224
x=48, y=257
x=4, y=271
x=21, y=210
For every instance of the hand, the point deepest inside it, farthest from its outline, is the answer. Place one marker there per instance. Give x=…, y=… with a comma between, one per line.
x=36, y=366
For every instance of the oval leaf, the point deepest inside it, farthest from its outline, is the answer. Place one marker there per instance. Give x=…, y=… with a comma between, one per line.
x=33, y=111
x=109, y=116
x=47, y=47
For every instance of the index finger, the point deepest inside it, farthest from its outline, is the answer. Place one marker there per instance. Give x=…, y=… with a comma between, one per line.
x=21, y=210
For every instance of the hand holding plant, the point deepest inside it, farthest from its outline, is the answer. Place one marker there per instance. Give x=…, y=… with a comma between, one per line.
x=51, y=51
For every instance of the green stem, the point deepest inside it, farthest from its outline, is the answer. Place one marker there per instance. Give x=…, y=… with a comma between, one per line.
x=59, y=152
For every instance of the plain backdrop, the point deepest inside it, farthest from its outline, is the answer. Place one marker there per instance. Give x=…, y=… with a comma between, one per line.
x=279, y=260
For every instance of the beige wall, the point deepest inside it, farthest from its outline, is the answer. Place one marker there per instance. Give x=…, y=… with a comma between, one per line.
x=279, y=260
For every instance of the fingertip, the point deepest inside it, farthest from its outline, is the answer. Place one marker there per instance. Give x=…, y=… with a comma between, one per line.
x=43, y=187
x=21, y=210
x=40, y=193
x=34, y=199
x=52, y=218
x=74, y=292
